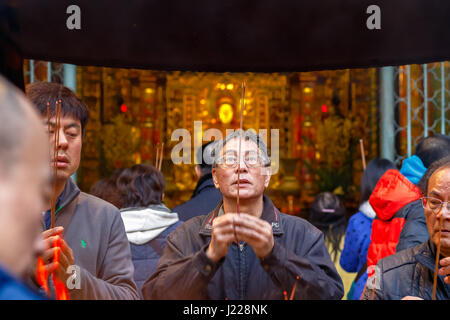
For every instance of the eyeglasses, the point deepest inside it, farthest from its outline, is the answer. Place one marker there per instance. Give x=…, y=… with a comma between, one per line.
x=434, y=204
x=250, y=160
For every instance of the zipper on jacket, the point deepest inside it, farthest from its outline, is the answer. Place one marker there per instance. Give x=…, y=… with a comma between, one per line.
x=241, y=270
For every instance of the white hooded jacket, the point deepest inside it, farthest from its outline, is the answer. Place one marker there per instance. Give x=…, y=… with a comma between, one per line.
x=145, y=224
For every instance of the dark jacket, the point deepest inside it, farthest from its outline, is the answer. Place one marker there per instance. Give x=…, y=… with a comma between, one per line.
x=185, y=272
x=97, y=237
x=204, y=199
x=408, y=273
x=13, y=289
x=147, y=229
x=391, y=194
x=415, y=230
x=145, y=257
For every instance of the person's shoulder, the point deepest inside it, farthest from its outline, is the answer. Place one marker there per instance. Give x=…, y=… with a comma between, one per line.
x=95, y=206
x=187, y=227
x=400, y=260
x=96, y=201
x=173, y=227
x=413, y=210
x=296, y=223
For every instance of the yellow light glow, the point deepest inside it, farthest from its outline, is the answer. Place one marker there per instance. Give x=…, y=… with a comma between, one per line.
x=307, y=90
x=222, y=86
x=149, y=90
x=246, y=102
x=230, y=86
x=225, y=113
x=202, y=101
x=137, y=158
x=205, y=113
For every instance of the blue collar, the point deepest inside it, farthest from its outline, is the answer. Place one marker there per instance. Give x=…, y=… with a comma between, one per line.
x=48, y=216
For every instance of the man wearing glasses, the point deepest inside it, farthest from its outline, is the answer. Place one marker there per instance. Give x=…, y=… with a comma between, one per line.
x=409, y=274
x=245, y=250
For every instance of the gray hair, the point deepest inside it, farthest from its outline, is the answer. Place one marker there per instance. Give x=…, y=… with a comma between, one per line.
x=14, y=117
x=246, y=135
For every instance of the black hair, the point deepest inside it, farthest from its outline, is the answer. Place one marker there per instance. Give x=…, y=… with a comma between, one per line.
x=435, y=166
x=203, y=164
x=41, y=93
x=141, y=186
x=328, y=214
x=373, y=172
x=433, y=148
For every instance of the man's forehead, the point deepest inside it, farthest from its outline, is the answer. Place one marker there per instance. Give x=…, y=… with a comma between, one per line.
x=66, y=119
x=246, y=146
x=440, y=180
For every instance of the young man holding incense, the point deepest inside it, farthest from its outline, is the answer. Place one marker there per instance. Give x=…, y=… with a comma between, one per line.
x=24, y=190
x=250, y=251
x=94, y=254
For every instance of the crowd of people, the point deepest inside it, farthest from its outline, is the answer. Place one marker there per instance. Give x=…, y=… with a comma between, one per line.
x=229, y=241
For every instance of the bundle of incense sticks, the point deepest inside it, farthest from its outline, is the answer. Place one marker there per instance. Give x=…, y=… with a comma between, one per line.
x=55, y=155
x=436, y=265
x=159, y=156
x=41, y=273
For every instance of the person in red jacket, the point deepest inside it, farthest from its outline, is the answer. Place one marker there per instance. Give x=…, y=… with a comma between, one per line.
x=392, y=193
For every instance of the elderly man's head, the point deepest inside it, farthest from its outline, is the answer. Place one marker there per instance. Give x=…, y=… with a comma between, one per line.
x=24, y=179
x=253, y=166
x=435, y=185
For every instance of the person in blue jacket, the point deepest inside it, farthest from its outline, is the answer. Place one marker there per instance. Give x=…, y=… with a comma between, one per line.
x=24, y=191
x=359, y=228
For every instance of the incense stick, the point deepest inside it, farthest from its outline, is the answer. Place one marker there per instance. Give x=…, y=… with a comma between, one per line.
x=161, y=157
x=157, y=156
x=293, y=289
x=363, y=156
x=241, y=120
x=55, y=161
x=438, y=251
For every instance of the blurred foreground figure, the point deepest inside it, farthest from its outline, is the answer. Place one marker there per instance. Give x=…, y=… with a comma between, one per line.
x=410, y=272
x=24, y=190
x=248, y=252
x=89, y=236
